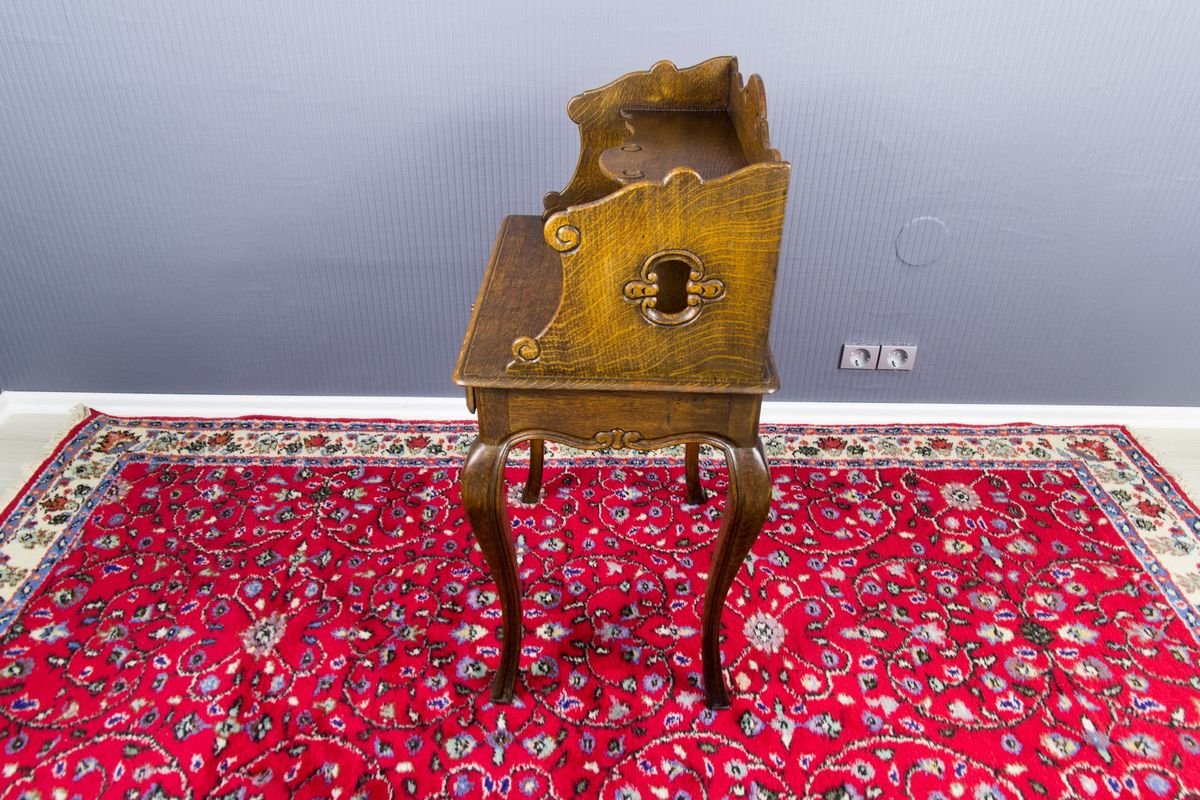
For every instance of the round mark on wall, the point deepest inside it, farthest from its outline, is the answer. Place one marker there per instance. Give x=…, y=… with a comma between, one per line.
x=922, y=241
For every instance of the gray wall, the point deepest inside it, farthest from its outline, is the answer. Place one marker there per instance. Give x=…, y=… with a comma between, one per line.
x=299, y=197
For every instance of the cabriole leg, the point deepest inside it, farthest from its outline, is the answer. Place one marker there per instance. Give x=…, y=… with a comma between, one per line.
x=695, y=492
x=745, y=511
x=482, y=488
x=533, y=484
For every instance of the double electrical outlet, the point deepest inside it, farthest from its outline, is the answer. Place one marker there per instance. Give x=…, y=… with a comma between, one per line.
x=878, y=356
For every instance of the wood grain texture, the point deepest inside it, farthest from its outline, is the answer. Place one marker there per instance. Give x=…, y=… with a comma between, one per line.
x=587, y=418
x=731, y=225
x=695, y=491
x=482, y=487
x=748, y=111
x=638, y=318
x=600, y=420
x=601, y=125
x=520, y=292
x=667, y=278
x=660, y=141
x=745, y=512
x=533, y=483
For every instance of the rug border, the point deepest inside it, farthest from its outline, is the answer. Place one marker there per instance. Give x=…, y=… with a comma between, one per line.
x=94, y=413
x=1174, y=482
x=56, y=451
x=1127, y=444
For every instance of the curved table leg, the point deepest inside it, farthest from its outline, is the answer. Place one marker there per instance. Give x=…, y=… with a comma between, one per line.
x=695, y=492
x=482, y=486
x=745, y=511
x=533, y=484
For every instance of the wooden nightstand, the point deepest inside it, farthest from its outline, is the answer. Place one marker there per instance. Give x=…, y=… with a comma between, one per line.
x=634, y=314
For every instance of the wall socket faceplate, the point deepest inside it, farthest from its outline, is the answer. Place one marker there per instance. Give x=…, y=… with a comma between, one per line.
x=859, y=356
x=897, y=357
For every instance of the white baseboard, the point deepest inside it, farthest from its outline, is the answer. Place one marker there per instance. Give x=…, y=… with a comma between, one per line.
x=981, y=414
x=197, y=405
x=446, y=408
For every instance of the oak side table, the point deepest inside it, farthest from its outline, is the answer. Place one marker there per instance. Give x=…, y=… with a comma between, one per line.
x=634, y=313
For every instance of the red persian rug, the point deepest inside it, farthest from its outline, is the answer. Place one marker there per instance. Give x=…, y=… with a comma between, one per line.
x=285, y=608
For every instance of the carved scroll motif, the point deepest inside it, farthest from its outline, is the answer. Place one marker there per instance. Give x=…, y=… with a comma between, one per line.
x=650, y=291
x=617, y=439
x=566, y=239
x=526, y=349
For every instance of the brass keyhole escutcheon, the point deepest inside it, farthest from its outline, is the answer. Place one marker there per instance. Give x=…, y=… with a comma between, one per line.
x=673, y=289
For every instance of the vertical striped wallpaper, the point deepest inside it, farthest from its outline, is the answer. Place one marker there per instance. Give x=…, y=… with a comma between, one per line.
x=299, y=198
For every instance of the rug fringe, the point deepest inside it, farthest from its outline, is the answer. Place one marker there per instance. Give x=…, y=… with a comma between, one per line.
x=1154, y=443
x=75, y=415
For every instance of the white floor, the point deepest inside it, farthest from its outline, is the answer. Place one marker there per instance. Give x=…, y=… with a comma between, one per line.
x=24, y=441
x=25, y=438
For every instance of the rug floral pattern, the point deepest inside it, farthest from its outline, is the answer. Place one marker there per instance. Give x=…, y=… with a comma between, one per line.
x=278, y=608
